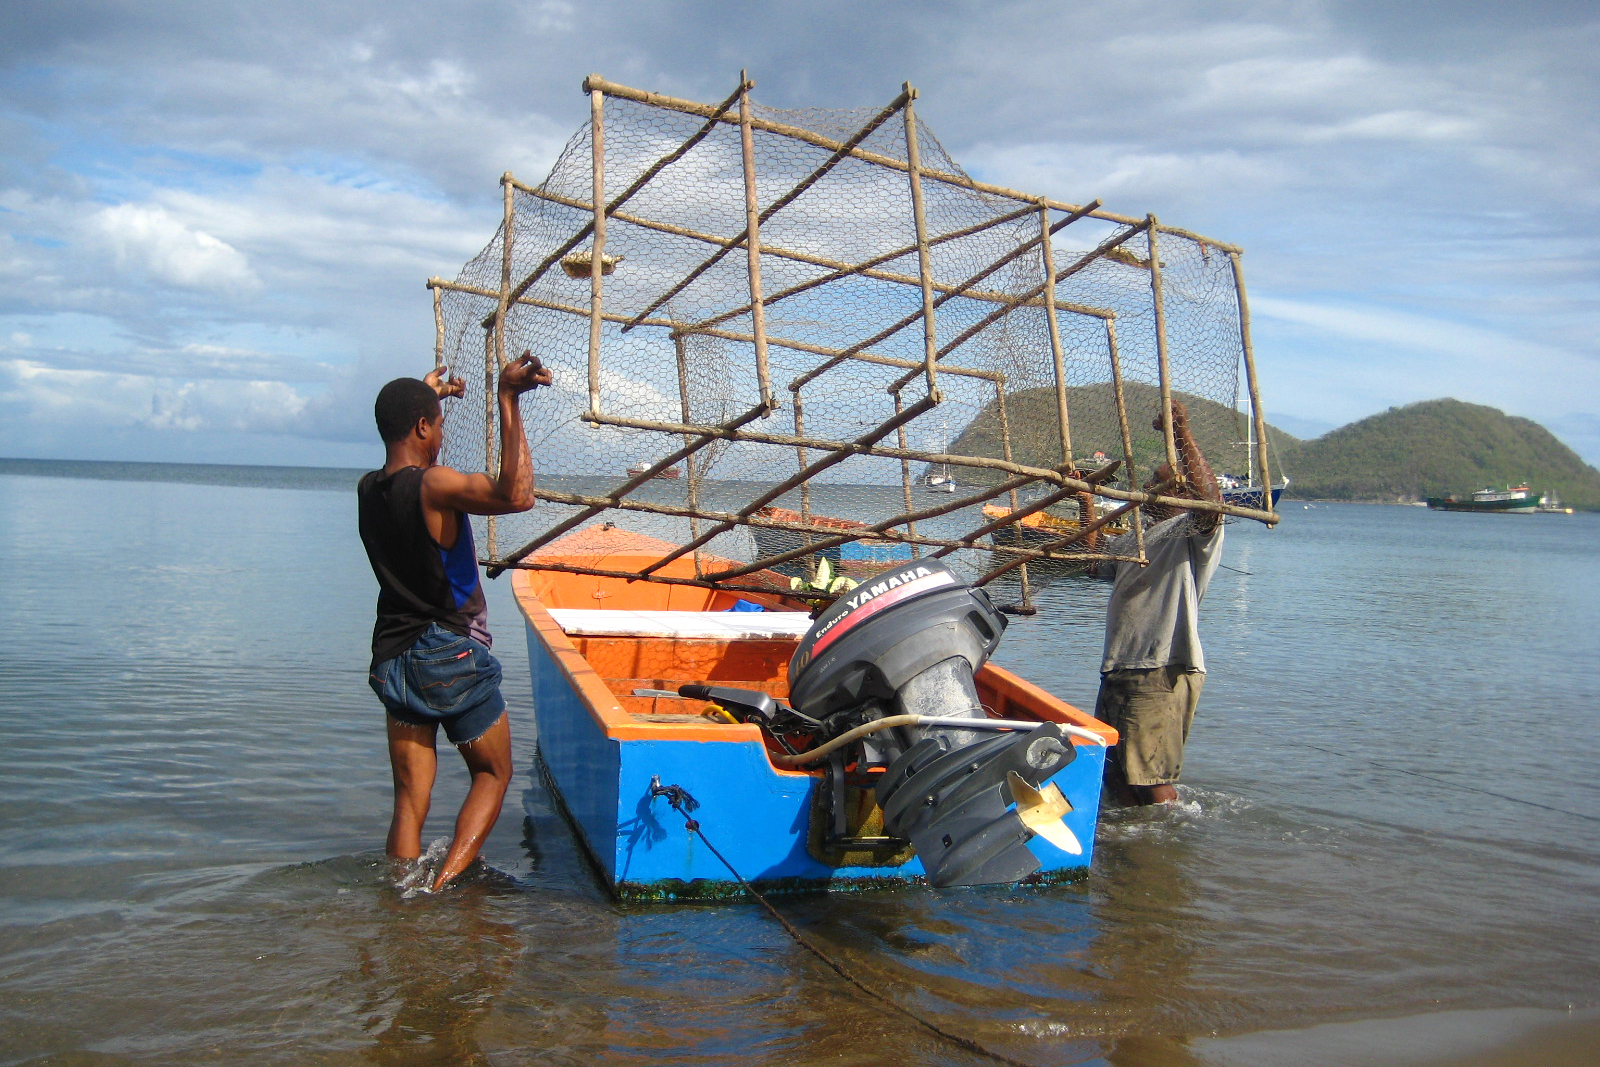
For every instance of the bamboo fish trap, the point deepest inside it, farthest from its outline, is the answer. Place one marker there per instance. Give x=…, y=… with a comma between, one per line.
x=775, y=334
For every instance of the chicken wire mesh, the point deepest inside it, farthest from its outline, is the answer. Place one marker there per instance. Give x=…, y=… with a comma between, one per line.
x=797, y=336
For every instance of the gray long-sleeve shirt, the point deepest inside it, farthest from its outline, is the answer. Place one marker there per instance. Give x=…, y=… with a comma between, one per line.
x=1154, y=614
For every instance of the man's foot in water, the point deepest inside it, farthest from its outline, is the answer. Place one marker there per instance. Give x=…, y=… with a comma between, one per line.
x=1155, y=794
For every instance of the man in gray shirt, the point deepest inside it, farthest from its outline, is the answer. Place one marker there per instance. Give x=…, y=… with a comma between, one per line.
x=1152, y=669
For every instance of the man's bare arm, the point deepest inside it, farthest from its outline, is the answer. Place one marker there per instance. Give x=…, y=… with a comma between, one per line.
x=512, y=491
x=1199, y=480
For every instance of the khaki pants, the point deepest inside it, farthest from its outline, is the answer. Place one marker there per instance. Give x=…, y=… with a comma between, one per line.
x=1152, y=711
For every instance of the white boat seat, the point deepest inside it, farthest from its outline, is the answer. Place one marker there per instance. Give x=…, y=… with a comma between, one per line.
x=715, y=625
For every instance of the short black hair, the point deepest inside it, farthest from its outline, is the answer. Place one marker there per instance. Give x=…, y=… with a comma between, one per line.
x=400, y=404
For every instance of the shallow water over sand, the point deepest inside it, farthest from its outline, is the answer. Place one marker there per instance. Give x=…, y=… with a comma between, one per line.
x=1390, y=813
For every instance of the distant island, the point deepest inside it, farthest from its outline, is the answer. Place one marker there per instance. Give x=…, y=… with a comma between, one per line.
x=1435, y=448
x=1403, y=455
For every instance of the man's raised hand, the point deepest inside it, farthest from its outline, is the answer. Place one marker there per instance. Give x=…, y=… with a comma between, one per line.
x=443, y=386
x=523, y=373
x=1180, y=418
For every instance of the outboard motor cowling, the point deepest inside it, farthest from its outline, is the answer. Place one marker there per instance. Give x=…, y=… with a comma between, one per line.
x=908, y=641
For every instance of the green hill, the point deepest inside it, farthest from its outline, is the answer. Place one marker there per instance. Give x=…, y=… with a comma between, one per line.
x=1036, y=439
x=1435, y=448
x=1404, y=454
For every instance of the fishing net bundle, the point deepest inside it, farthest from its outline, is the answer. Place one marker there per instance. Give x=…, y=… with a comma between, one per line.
x=850, y=433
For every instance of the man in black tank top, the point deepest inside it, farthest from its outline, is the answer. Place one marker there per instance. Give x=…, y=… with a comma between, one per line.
x=431, y=665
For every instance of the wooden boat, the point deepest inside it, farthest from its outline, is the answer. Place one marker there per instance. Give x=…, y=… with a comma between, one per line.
x=593, y=641
x=666, y=472
x=863, y=555
x=1518, y=500
x=1246, y=494
x=1042, y=527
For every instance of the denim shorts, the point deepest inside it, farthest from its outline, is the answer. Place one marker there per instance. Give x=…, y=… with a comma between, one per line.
x=444, y=679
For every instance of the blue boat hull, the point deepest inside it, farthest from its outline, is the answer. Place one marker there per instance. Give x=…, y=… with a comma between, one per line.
x=755, y=814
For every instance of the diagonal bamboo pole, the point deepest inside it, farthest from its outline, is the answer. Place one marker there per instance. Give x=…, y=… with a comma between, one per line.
x=808, y=258
x=494, y=348
x=623, y=197
x=907, y=520
x=947, y=292
x=1015, y=302
x=1017, y=514
x=835, y=456
x=866, y=264
x=701, y=583
x=1078, y=535
x=800, y=454
x=747, y=121
x=1005, y=443
x=701, y=440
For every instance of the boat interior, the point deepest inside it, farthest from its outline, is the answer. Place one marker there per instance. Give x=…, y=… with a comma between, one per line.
x=628, y=635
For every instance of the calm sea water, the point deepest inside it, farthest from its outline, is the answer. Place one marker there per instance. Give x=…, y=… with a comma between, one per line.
x=1391, y=812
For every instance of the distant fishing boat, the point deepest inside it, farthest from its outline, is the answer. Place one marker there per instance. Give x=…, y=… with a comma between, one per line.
x=862, y=555
x=1248, y=494
x=939, y=479
x=1042, y=527
x=1550, y=504
x=1518, y=500
x=642, y=466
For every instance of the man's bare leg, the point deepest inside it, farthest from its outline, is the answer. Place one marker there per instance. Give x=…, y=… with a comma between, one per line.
x=489, y=762
x=414, y=762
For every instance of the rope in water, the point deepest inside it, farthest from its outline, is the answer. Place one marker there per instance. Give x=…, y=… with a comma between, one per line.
x=683, y=804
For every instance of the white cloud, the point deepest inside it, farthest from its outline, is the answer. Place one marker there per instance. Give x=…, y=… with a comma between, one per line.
x=1407, y=330
x=99, y=400
x=1123, y=176
x=149, y=239
x=1415, y=184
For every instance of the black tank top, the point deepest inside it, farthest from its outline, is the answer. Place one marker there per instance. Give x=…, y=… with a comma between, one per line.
x=418, y=581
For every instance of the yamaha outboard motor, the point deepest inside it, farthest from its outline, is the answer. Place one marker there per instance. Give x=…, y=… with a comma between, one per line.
x=908, y=641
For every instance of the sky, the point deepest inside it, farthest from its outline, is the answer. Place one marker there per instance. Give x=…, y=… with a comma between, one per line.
x=216, y=219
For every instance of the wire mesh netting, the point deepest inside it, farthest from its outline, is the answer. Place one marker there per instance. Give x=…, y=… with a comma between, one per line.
x=797, y=336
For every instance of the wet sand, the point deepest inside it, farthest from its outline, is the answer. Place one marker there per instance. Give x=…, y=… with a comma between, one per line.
x=1508, y=1037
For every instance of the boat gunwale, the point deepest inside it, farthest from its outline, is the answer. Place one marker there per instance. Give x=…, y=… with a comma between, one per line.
x=619, y=724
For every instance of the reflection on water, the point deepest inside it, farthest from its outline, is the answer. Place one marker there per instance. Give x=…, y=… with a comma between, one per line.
x=196, y=782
